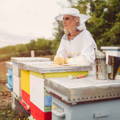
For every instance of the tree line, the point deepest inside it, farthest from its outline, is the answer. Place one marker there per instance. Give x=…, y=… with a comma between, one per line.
x=41, y=47
x=104, y=25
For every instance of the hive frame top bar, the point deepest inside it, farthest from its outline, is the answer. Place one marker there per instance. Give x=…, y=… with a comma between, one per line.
x=49, y=67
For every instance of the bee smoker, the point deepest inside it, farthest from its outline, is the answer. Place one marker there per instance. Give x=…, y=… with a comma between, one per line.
x=101, y=66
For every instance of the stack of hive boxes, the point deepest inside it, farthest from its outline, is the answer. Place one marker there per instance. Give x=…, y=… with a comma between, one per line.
x=16, y=71
x=40, y=101
x=29, y=87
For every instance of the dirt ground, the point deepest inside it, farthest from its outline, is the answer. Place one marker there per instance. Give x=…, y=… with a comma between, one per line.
x=5, y=95
x=6, y=112
x=2, y=71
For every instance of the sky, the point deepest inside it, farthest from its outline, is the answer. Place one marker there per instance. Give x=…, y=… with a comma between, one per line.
x=23, y=20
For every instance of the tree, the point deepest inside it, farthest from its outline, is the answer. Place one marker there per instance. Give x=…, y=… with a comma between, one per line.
x=104, y=23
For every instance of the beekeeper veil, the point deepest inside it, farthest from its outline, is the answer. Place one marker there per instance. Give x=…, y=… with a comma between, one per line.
x=74, y=12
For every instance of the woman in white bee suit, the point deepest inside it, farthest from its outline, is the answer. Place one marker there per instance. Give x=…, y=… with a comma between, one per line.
x=77, y=45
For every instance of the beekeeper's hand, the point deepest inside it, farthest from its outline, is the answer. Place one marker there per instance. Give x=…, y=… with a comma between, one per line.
x=60, y=60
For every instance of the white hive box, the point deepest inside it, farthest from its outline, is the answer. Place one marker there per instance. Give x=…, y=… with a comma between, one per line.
x=38, y=95
x=16, y=70
x=111, y=51
x=74, y=90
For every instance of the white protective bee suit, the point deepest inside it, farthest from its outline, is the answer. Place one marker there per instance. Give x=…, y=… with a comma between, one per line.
x=81, y=49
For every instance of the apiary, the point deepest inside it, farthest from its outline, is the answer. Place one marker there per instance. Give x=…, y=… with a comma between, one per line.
x=38, y=100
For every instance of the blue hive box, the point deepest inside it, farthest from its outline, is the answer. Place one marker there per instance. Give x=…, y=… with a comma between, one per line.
x=10, y=79
x=9, y=76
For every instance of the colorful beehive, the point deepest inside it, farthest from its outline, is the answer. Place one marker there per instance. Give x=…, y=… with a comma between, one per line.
x=16, y=71
x=9, y=75
x=39, y=101
x=25, y=89
x=84, y=99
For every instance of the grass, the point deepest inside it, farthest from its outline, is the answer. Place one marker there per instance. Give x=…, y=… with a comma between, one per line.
x=8, y=114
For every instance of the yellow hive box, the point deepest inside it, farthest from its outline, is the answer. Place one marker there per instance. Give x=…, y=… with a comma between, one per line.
x=60, y=74
x=25, y=81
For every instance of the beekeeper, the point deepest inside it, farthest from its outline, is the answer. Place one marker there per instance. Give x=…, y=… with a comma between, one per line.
x=77, y=44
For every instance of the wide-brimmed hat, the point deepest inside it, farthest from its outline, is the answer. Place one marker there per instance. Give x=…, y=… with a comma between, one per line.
x=73, y=12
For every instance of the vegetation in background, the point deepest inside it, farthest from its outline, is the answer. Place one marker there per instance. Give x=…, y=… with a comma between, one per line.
x=41, y=47
x=104, y=25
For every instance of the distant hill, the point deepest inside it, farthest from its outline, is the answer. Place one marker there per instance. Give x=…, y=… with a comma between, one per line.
x=41, y=47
